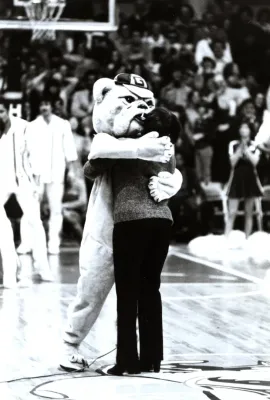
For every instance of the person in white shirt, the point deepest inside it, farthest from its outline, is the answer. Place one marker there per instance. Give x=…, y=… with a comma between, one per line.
x=52, y=150
x=262, y=139
x=156, y=39
x=211, y=48
x=16, y=177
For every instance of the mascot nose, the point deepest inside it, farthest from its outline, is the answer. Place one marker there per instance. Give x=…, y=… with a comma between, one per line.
x=143, y=106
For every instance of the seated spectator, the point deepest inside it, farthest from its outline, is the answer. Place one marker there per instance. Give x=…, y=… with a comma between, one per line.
x=268, y=98
x=154, y=68
x=66, y=84
x=198, y=83
x=225, y=106
x=80, y=58
x=230, y=97
x=260, y=106
x=173, y=41
x=59, y=108
x=208, y=17
x=74, y=204
x=185, y=16
x=194, y=100
x=101, y=49
x=27, y=78
x=263, y=169
x=185, y=37
x=186, y=59
x=190, y=197
x=82, y=137
x=176, y=92
x=138, y=20
x=169, y=62
x=252, y=84
x=52, y=90
x=246, y=112
x=82, y=102
x=27, y=111
x=218, y=50
x=114, y=64
x=207, y=68
x=139, y=52
x=208, y=92
x=232, y=76
x=263, y=18
x=248, y=42
x=200, y=128
x=122, y=42
x=220, y=57
x=3, y=80
x=156, y=38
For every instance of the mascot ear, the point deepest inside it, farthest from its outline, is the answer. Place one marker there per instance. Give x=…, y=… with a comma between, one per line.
x=101, y=88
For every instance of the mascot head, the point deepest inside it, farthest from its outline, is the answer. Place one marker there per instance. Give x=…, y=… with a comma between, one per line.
x=120, y=104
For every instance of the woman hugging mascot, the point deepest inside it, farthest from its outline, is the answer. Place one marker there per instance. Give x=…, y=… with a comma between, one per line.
x=119, y=107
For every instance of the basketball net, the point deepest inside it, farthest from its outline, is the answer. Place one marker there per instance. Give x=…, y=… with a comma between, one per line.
x=39, y=11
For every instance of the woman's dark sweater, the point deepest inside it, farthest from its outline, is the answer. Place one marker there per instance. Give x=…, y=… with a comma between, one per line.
x=130, y=180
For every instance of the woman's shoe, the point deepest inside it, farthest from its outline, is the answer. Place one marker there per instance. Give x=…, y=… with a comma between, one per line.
x=156, y=366
x=119, y=370
x=150, y=366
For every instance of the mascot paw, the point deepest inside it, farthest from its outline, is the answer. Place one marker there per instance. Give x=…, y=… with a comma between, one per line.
x=72, y=360
x=73, y=363
x=152, y=148
x=165, y=185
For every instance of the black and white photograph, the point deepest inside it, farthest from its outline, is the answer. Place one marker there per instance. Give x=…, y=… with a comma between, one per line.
x=135, y=199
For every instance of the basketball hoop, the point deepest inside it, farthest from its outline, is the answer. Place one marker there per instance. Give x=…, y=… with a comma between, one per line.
x=42, y=11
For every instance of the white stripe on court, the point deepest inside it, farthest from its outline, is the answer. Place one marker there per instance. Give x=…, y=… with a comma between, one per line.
x=211, y=296
x=215, y=354
x=215, y=266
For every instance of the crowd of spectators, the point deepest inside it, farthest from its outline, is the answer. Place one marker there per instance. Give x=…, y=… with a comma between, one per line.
x=213, y=73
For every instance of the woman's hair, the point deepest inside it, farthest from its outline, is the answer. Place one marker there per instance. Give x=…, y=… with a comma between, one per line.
x=242, y=106
x=164, y=122
x=191, y=94
x=249, y=125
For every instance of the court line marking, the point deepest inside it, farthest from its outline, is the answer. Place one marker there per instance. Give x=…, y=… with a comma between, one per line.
x=169, y=299
x=215, y=354
x=198, y=260
x=212, y=296
x=215, y=266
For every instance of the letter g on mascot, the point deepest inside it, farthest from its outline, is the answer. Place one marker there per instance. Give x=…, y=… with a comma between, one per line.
x=117, y=118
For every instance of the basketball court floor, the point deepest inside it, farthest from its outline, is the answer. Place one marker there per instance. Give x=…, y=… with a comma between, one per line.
x=216, y=335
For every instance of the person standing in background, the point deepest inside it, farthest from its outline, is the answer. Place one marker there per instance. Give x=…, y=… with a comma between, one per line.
x=244, y=182
x=52, y=150
x=82, y=101
x=16, y=178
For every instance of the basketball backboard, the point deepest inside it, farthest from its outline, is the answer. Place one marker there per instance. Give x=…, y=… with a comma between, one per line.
x=77, y=15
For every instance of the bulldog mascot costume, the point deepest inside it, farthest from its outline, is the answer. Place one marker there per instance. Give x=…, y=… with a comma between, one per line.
x=262, y=139
x=119, y=105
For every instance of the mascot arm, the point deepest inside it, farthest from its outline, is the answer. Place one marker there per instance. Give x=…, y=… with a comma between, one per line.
x=94, y=168
x=106, y=146
x=149, y=147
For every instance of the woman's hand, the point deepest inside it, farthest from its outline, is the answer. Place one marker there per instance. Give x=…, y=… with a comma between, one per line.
x=235, y=157
x=252, y=157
